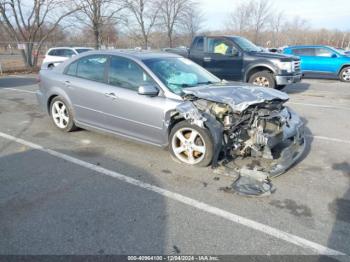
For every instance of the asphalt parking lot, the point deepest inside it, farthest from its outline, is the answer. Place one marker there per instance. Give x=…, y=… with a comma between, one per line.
x=90, y=193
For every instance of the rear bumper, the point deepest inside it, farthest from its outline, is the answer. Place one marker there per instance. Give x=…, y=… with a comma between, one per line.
x=285, y=80
x=40, y=99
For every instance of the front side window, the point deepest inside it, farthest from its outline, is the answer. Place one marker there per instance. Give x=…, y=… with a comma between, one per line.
x=127, y=74
x=179, y=73
x=220, y=46
x=67, y=53
x=323, y=52
x=82, y=50
x=92, y=67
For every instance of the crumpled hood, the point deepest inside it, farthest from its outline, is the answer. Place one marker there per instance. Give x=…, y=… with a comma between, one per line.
x=237, y=95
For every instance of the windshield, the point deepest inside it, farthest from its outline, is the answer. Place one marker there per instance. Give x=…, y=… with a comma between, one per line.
x=82, y=50
x=179, y=73
x=246, y=45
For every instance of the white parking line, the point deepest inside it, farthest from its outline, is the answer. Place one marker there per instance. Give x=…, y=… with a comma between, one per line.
x=18, y=90
x=319, y=105
x=293, y=239
x=330, y=139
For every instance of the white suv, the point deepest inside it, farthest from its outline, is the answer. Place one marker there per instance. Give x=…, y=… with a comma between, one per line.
x=57, y=55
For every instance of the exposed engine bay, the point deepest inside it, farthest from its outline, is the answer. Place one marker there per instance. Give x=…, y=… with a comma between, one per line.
x=257, y=141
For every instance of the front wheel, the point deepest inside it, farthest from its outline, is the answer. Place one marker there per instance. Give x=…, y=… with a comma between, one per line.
x=191, y=144
x=344, y=74
x=263, y=78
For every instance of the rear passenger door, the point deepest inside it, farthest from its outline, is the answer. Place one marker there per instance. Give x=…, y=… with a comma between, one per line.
x=307, y=58
x=85, y=84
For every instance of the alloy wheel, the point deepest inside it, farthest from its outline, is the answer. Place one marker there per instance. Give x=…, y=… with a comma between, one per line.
x=261, y=81
x=189, y=146
x=346, y=75
x=60, y=114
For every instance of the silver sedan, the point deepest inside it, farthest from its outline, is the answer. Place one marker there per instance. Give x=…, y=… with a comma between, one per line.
x=167, y=100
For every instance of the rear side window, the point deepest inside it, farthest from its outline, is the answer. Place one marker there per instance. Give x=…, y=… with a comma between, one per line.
x=199, y=44
x=72, y=69
x=91, y=67
x=304, y=52
x=52, y=53
x=127, y=74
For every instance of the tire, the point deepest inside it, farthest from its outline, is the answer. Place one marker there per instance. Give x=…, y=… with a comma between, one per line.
x=193, y=137
x=344, y=74
x=263, y=78
x=280, y=87
x=61, y=115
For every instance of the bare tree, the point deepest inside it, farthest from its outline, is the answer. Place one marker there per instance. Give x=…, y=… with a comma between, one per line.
x=276, y=23
x=192, y=21
x=145, y=14
x=239, y=20
x=29, y=24
x=96, y=14
x=260, y=14
x=171, y=13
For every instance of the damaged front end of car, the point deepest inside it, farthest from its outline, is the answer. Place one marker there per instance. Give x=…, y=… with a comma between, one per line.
x=256, y=136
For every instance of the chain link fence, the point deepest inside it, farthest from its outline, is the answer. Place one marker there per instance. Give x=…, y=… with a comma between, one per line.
x=11, y=58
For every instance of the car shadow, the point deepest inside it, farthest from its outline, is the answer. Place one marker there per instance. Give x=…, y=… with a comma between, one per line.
x=51, y=206
x=6, y=82
x=296, y=88
x=339, y=238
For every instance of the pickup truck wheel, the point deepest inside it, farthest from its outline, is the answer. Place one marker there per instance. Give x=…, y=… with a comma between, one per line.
x=263, y=78
x=191, y=145
x=61, y=115
x=344, y=74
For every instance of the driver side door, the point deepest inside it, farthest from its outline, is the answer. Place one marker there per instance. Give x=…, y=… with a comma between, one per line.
x=223, y=59
x=128, y=113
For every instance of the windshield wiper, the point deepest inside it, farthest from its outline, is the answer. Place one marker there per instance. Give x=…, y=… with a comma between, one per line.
x=205, y=83
x=182, y=85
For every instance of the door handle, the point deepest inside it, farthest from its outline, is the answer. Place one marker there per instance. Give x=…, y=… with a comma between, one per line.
x=207, y=59
x=67, y=83
x=111, y=95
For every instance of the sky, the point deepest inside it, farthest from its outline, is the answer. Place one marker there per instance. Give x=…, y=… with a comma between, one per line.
x=334, y=14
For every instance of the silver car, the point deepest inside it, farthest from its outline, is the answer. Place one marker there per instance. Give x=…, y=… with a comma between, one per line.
x=166, y=100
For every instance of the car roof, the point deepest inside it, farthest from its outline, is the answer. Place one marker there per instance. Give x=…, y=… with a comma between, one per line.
x=135, y=54
x=70, y=47
x=305, y=46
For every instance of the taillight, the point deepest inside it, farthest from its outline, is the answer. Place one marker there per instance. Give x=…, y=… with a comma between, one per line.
x=38, y=79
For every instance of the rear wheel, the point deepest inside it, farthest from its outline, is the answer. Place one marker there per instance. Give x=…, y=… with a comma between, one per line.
x=61, y=115
x=344, y=74
x=191, y=144
x=263, y=78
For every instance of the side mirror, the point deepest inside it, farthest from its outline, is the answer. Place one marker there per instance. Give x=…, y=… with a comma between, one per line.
x=334, y=56
x=148, y=90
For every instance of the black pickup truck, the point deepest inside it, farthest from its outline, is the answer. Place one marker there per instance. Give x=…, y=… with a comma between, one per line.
x=236, y=58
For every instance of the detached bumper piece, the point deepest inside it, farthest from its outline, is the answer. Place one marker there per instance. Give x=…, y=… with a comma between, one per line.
x=256, y=180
